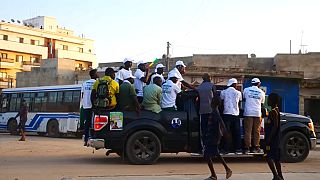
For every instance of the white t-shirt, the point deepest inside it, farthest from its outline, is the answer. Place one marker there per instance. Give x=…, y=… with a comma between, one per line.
x=254, y=97
x=169, y=94
x=86, y=93
x=119, y=74
x=138, y=84
x=180, y=78
x=157, y=75
x=231, y=98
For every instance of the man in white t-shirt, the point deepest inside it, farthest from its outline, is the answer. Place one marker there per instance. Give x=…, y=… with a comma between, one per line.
x=170, y=90
x=141, y=75
x=231, y=98
x=86, y=102
x=127, y=64
x=254, y=98
x=179, y=70
x=158, y=71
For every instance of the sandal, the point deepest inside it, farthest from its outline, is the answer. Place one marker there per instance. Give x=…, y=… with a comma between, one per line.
x=228, y=173
x=211, y=178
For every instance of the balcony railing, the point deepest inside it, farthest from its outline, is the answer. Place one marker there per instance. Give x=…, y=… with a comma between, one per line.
x=7, y=60
x=31, y=63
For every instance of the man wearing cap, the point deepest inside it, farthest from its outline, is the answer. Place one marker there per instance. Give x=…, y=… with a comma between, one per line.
x=127, y=62
x=112, y=85
x=157, y=73
x=254, y=97
x=231, y=98
x=141, y=75
x=179, y=70
x=128, y=97
x=170, y=90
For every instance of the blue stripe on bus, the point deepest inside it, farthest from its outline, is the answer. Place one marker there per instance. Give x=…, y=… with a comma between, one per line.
x=38, y=90
x=38, y=118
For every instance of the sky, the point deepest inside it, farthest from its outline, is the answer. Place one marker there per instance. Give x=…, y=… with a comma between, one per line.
x=140, y=29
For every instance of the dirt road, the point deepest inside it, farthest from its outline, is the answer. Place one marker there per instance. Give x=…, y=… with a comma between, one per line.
x=66, y=158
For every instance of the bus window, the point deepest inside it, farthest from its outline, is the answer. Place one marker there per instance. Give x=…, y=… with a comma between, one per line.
x=53, y=97
x=44, y=104
x=4, y=103
x=68, y=96
x=59, y=97
x=13, y=102
x=37, y=104
x=76, y=96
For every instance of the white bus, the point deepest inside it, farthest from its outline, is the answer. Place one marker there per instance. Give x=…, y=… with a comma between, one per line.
x=53, y=110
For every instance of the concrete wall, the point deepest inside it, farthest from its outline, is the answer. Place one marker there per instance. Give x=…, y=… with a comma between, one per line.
x=308, y=63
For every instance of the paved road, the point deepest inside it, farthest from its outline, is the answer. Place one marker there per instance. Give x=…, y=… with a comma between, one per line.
x=66, y=158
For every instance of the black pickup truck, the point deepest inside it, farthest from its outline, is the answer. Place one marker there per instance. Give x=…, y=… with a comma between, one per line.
x=142, y=138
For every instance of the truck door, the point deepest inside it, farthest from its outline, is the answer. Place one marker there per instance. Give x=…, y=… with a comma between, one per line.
x=176, y=125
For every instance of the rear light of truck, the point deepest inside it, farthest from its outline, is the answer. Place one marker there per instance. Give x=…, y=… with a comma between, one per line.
x=100, y=122
x=311, y=126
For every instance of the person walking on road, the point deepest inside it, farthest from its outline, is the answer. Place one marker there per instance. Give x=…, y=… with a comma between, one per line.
x=212, y=131
x=254, y=98
x=86, y=102
x=272, y=129
x=231, y=98
x=23, y=113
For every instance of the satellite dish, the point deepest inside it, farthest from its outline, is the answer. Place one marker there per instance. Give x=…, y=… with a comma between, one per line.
x=12, y=20
x=18, y=21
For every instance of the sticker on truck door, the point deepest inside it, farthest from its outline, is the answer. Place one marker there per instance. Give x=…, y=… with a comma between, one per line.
x=175, y=123
x=116, y=121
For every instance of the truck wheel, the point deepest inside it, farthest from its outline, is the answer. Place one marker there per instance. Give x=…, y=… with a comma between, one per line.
x=295, y=147
x=143, y=147
x=13, y=126
x=53, y=128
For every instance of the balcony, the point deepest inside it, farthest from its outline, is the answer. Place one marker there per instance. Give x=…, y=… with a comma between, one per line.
x=75, y=55
x=24, y=48
x=9, y=64
x=27, y=65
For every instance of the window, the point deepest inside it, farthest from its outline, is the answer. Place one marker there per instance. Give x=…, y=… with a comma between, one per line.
x=3, y=75
x=19, y=58
x=60, y=97
x=81, y=50
x=4, y=55
x=32, y=42
x=64, y=47
x=3, y=103
x=13, y=102
x=68, y=96
x=34, y=59
x=53, y=97
x=21, y=40
x=76, y=96
x=5, y=37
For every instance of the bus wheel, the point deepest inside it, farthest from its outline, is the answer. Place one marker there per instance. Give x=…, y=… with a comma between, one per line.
x=53, y=128
x=295, y=147
x=143, y=147
x=12, y=127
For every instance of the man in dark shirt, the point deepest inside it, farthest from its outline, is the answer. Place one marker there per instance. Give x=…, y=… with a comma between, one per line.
x=128, y=97
x=23, y=113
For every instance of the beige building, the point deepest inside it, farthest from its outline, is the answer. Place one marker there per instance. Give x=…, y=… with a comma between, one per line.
x=24, y=44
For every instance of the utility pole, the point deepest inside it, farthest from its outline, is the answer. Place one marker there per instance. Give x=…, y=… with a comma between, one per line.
x=168, y=47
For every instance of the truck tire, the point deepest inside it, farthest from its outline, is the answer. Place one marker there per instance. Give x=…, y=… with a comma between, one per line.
x=53, y=128
x=13, y=127
x=143, y=147
x=295, y=147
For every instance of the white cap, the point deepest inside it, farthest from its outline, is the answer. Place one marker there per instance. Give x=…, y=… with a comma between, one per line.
x=180, y=63
x=127, y=59
x=232, y=81
x=173, y=74
x=159, y=66
x=141, y=62
x=127, y=75
x=255, y=80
